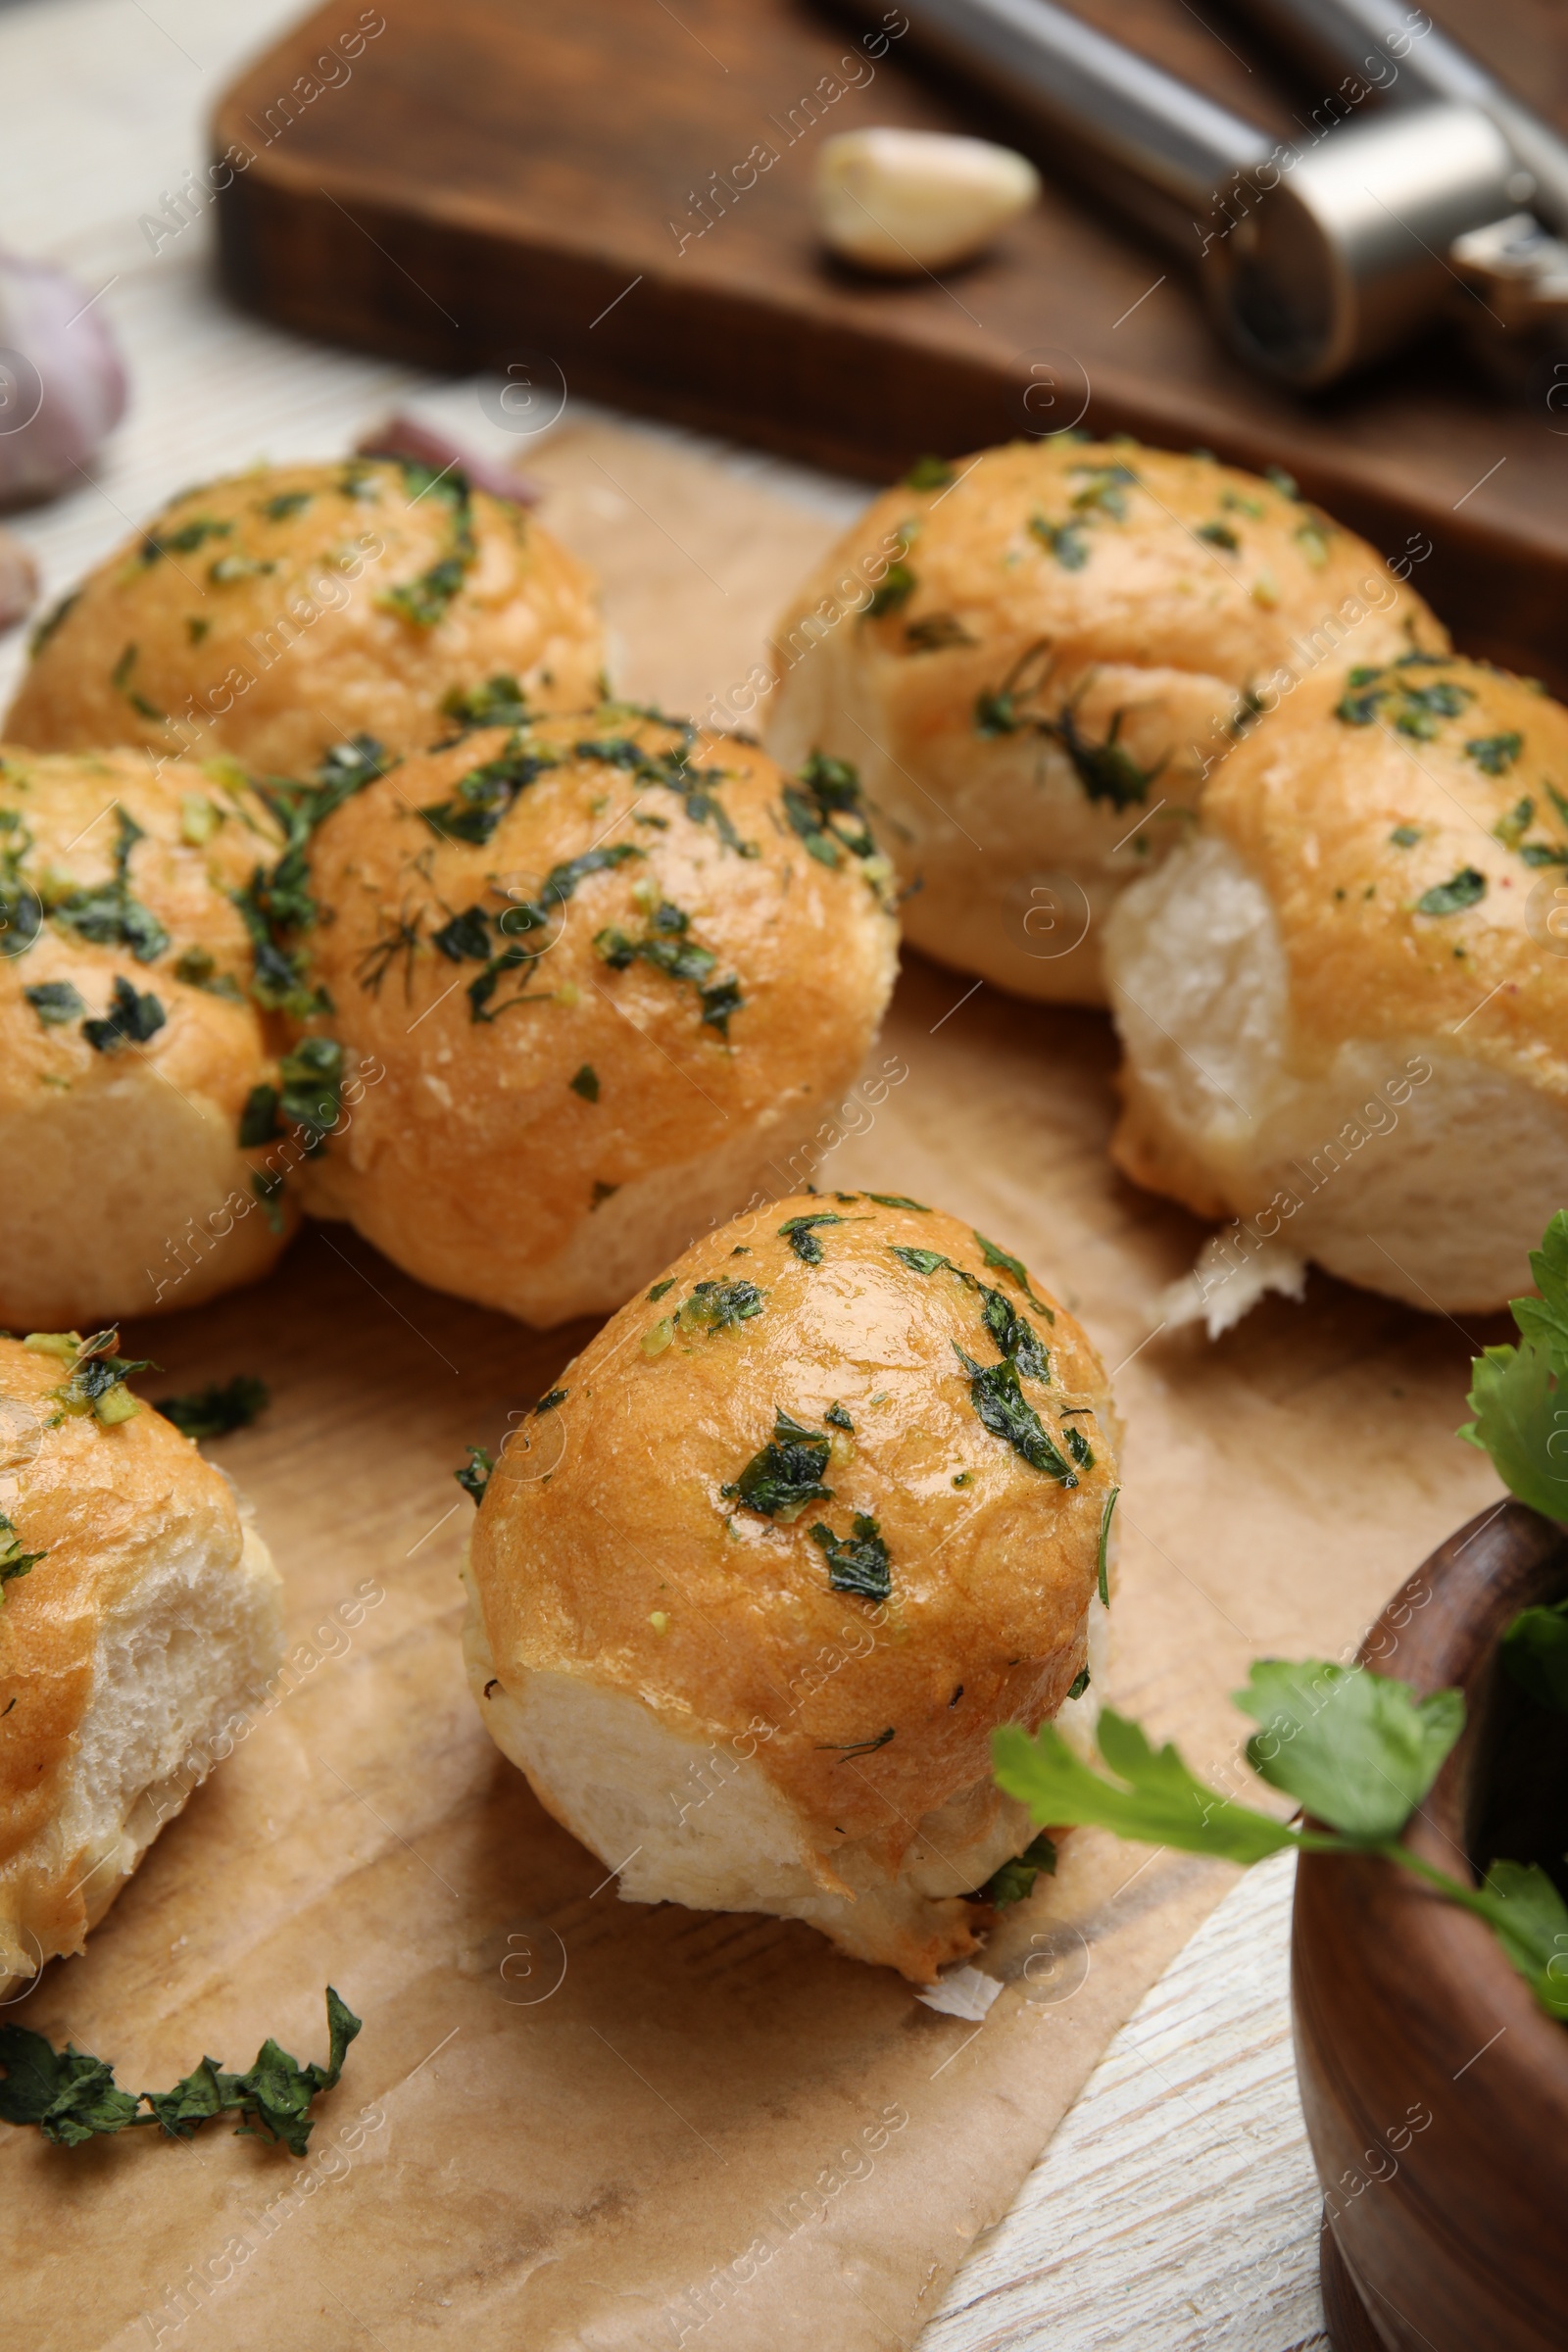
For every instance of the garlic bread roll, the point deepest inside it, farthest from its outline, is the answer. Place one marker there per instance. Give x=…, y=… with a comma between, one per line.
x=1035, y=655
x=614, y=969
x=139, y=1614
x=286, y=609
x=133, y=1041
x=1345, y=1001
x=798, y=1528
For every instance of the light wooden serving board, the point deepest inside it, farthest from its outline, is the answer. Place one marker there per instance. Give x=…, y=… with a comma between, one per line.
x=576, y=2123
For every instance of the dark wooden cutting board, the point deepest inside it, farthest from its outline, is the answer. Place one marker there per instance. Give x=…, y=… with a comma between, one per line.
x=487, y=181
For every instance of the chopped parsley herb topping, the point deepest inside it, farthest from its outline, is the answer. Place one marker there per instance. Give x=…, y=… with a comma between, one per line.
x=483, y=798
x=216, y=1411
x=1313, y=538
x=802, y=1239
x=586, y=1082
x=1494, y=755
x=107, y=914
x=1382, y=696
x=474, y=1475
x=1079, y=1684
x=95, y=1383
x=71, y=2096
x=664, y=946
x=855, y=1747
x=554, y=1396
x=1078, y=1446
x=1105, y=490
x=895, y=588
x=183, y=542
x=131, y=1019
x=662, y=1290
x=523, y=918
x=499, y=702
x=1219, y=534
x=897, y=1200
x=780, y=1479
x=51, y=621
x=1512, y=828
x=55, y=1001
x=673, y=769
x=1065, y=541
x=1104, y=1546
x=13, y=1561
x=236, y=568
x=1106, y=770
x=1464, y=889
x=1020, y=1273
x=858, y=1563
x=1005, y=1411
x=720, y=1306
x=309, y=1097
x=1278, y=480
x=1014, y=1882
x=286, y=503
x=929, y=474
x=936, y=633
x=424, y=600
x=277, y=902
x=20, y=909
x=824, y=808
x=1406, y=837
x=839, y=1418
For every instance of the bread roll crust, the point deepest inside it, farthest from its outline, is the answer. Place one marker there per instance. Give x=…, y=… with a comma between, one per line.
x=1132, y=598
x=109, y=1158
x=636, y=1568
x=265, y=629
x=543, y=1147
x=115, y=1512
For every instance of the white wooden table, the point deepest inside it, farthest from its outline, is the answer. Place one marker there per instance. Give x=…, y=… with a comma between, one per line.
x=1176, y=2207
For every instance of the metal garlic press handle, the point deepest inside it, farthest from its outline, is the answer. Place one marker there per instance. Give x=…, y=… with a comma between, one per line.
x=1313, y=260
x=1411, y=62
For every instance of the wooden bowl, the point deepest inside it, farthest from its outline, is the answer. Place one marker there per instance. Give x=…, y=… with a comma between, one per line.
x=1436, y=2090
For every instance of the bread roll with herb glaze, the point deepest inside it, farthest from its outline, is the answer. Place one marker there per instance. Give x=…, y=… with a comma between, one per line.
x=1035, y=655
x=1345, y=1001
x=613, y=969
x=290, y=609
x=139, y=1614
x=135, y=1043
x=799, y=1527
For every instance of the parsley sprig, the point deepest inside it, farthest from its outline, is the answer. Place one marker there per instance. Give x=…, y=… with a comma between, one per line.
x=1520, y=1394
x=71, y=2096
x=1358, y=1750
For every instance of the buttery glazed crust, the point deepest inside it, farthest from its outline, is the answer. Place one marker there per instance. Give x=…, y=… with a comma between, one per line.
x=1312, y=804
x=107, y=1156
x=990, y=1581
x=1091, y=578
x=290, y=649
x=107, y=1507
x=545, y=1154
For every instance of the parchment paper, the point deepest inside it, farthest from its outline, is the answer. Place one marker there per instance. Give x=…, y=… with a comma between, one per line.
x=574, y=2122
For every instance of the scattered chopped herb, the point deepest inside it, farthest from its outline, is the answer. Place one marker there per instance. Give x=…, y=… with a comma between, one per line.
x=425, y=600
x=131, y=1019
x=554, y=1396
x=95, y=1384
x=585, y=1083
x=897, y=1200
x=895, y=588
x=785, y=1475
x=311, y=1073
x=1106, y=770
x=1014, y=1882
x=474, y=1476
x=661, y=1289
x=483, y=798
x=1511, y=829
x=925, y=1261
x=13, y=1561
x=257, y=1118
x=1219, y=534
x=1406, y=837
x=286, y=503
x=720, y=1306
x=1015, y=1267
x=1079, y=1684
x=1105, y=1545
x=1494, y=755
x=277, y=902
x=1415, y=710
x=857, y=1563
x=1313, y=538
x=929, y=474
x=1105, y=490
x=55, y=1001
x=855, y=1747
x=227, y=569
x=799, y=1233
x=1065, y=541
x=186, y=541
x=824, y=809
x=1464, y=889
x=213, y=1411
x=464, y=937
x=268, y=1189
x=107, y=914
x=1014, y=1335
x=1283, y=482
x=1078, y=1446
x=524, y=916
x=839, y=1418
x=936, y=633
x=72, y=2097
x=499, y=702
x=51, y=621
x=1005, y=1410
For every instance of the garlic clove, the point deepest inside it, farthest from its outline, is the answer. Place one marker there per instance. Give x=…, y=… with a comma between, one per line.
x=62, y=381
x=19, y=581
x=902, y=201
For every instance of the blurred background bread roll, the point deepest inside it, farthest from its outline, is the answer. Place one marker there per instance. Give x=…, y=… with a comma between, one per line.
x=288, y=610
x=798, y=1528
x=140, y=1614
x=614, y=969
x=1034, y=654
x=1344, y=1000
x=132, y=1037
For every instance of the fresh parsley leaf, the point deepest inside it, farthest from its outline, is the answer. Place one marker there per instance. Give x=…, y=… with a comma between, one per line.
x=1529, y=1920
x=1219, y=534
x=312, y=1094
x=1078, y=1446
x=802, y=1239
x=1015, y=1335
x=1014, y=1882
x=1005, y=1410
x=213, y=1411
x=1155, y=1797
x=474, y=1475
x=55, y=1001
x=784, y=1475
x=1013, y=1266
x=897, y=1200
x=69, y=2095
x=1535, y=1654
x=856, y=1564
x=131, y=1019
x=839, y=1418
x=1355, y=1748
x=1521, y=1419
x=463, y=938
x=923, y=1261
x=937, y=634
x=1464, y=889
x=1494, y=755
x=1544, y=1321
x=1406, y=837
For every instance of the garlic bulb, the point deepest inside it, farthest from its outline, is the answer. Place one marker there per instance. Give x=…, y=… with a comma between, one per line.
x=62, y=383
x=401, y=435
x=19, y=581
x=902, y=201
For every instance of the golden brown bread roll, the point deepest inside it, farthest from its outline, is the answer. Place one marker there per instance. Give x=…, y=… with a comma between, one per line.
x=1345, y=1001
x=1035, y=655
x=798, y=1528
x=286, y=609
x=613, y=969
x=139, y=1612
x=132, y=1038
